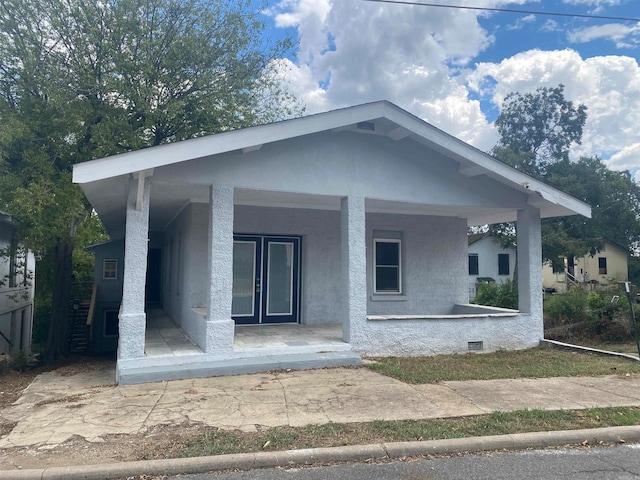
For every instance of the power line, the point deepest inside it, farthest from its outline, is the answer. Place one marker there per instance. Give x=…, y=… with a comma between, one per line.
x=507, y=10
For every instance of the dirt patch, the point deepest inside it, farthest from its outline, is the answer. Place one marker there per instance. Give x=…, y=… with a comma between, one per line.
x=158, y=442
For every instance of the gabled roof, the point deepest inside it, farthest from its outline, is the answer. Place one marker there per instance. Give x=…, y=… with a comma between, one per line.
x=378, y=118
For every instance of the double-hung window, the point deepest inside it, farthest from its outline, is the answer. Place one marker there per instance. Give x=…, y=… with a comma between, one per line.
x=602, y=265
x=110, y=269
x=387, y=254
x=503, y=264
x=473, y=264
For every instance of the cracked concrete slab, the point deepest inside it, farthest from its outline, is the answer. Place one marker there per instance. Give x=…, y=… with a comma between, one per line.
x=53, y=408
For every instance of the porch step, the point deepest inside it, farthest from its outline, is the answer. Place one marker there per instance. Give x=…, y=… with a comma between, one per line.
x=237, y=366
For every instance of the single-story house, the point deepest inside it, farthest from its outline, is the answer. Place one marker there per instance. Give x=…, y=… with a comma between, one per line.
x=17, y=269
x=354, y=219
x=489, y=260
x=609, y=266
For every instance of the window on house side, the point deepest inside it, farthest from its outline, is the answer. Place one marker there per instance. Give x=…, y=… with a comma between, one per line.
x=110, y=270
x=503, y=264
x=387, y=266
x=602, y=265
x=473, y=264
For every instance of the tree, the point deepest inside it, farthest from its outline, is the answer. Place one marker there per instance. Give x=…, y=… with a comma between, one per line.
x=80, y=80
x=537, y=129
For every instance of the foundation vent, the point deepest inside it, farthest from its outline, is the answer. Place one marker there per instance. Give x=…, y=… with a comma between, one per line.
x=475, y=346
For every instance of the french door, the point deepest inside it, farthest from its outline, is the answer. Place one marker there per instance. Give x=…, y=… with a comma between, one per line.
x=265, y=279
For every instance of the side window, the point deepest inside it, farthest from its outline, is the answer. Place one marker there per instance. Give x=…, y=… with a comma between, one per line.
x=473, y=264
x=110, y=269
x=503, y=264
x=602, y=265
x=387, y=276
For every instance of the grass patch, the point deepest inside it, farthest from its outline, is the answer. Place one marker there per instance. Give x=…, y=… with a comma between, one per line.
x=532, y=363
x=339, y=434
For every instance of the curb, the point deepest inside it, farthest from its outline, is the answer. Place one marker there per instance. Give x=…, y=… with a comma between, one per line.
x=288, y=458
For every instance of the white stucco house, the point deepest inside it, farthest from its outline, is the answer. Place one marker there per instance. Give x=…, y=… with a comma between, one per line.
x=17, y=269
x=355, y=218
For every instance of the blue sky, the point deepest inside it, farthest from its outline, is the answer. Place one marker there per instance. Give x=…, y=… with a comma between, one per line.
x=453, y=67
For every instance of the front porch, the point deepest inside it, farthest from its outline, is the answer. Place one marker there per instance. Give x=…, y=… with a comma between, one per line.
x=170, y=354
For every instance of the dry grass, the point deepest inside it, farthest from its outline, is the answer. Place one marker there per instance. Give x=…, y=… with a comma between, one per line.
x=532, y=363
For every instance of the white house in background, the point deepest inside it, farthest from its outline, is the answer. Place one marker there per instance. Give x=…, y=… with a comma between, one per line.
x=17, y=269
x=356, y=218
x=607, y=267
x=489, y=261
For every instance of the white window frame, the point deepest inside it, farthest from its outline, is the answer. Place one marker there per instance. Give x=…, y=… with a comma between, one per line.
x=104, y=269
x=375, y=266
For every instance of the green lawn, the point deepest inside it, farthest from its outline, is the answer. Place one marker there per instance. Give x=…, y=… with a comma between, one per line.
x=532, y=363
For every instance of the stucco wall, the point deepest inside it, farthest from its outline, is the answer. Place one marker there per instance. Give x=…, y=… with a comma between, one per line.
x=445, y=336
x=434, y=261
x=185, y=269
x=343, y=164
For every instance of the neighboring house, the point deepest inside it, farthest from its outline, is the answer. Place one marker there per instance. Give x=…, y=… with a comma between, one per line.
x=489, y=261
x=356, y=218
x=607, y=267
x=17, y=269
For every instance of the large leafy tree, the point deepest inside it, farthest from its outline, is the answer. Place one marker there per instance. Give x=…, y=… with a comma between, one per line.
x=537, y=131
x=80, y=80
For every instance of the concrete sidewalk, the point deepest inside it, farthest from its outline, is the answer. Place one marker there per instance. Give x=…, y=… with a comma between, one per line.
x=54, y=408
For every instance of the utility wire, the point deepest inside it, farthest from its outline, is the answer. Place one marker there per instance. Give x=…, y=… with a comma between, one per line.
x=507, y=10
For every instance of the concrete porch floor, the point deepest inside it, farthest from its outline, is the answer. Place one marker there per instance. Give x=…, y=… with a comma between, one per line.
x=170, y=354
x=165, y=338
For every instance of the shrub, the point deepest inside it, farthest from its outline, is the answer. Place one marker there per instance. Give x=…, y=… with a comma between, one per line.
x=503, y=295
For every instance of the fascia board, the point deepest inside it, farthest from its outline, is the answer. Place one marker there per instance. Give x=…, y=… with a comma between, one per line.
x=194, y=148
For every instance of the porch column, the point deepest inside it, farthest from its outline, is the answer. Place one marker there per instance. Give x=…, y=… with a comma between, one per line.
x=530, y=264
x=132, y=319
x=219, y=325
x=354, y=269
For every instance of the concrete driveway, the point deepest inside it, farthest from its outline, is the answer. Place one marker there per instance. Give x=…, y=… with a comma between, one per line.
x=54, y=408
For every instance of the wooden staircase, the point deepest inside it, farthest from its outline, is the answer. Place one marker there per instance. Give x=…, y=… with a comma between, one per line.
x=81, y=318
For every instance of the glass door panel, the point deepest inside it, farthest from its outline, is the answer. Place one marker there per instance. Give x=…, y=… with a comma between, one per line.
x=280, y=278
x=244, y=267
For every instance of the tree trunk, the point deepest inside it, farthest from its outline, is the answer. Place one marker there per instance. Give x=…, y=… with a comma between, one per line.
x=57, y=341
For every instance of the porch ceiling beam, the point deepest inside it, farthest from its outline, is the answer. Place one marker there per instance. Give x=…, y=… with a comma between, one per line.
x=141, y=175
x=253, y=148
x=472, y=170
x=398, y=133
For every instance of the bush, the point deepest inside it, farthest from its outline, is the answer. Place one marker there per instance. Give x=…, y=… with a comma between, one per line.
x=599, y=315
x=503, y=295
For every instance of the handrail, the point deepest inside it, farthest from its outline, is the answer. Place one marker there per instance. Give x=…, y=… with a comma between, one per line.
x=8, y=341
x=92, y=305
x=571, y=278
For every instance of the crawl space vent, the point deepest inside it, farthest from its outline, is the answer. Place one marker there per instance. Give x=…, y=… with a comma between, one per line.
x=475, y=346
x=370, y=126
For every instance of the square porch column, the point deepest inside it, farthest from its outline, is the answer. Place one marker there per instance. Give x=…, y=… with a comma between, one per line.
x=354, y=269
x=132, y=318
x=219, y=324
x=530, y=265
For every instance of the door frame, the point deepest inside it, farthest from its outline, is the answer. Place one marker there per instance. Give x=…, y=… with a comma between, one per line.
x=261, y=259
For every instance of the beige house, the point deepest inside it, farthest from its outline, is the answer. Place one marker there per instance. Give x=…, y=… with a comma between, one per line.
x=605, y=268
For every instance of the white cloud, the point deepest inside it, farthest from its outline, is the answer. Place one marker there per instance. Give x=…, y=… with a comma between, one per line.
x=421, y=59
x=609, y=87
x=521, y=22
x=355, y=52
x=627, y=159
x=616, y=32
